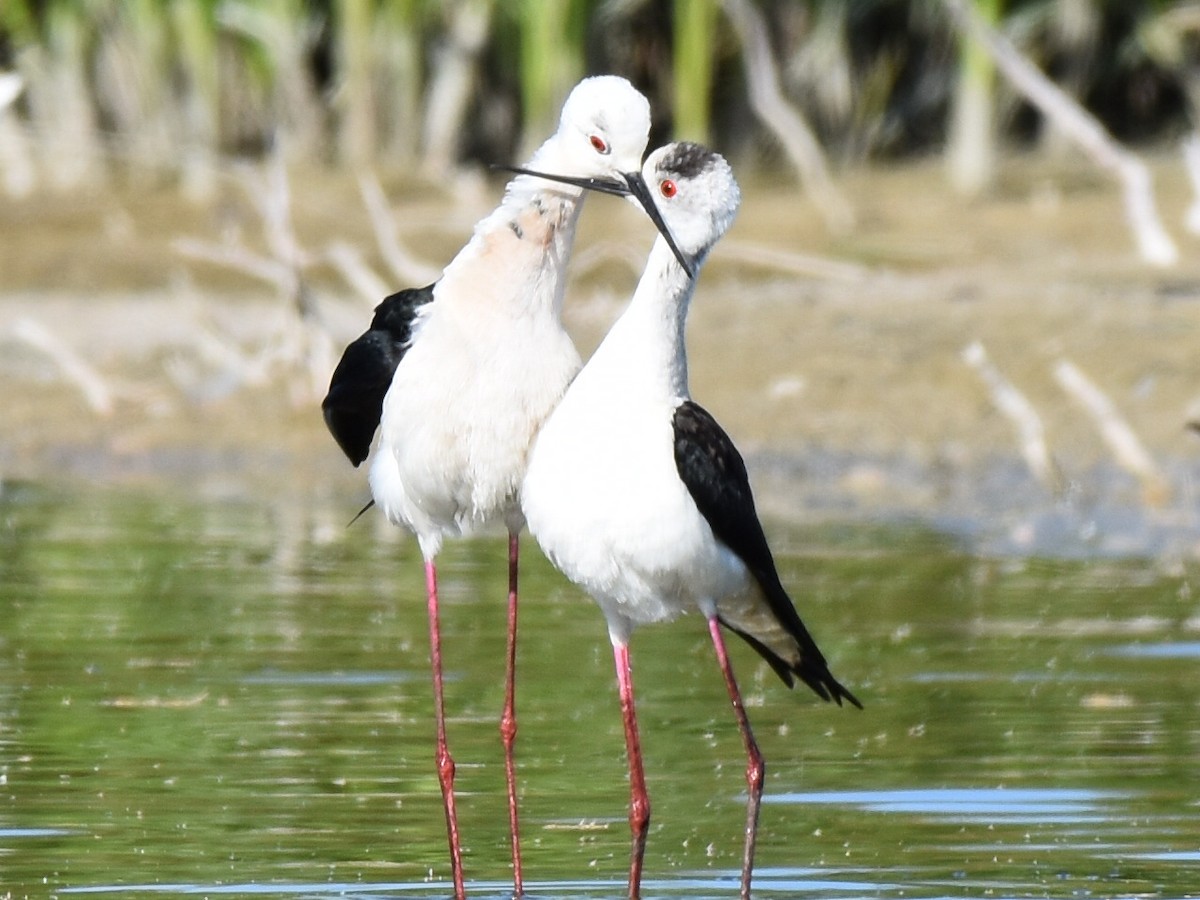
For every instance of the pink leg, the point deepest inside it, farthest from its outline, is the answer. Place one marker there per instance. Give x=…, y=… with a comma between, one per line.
x=445, y=763
x=508, y=719
x=755, y=766
x=639, y=800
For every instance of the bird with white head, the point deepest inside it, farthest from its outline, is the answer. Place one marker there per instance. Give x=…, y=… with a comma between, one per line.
x=636, y=493
x=458, y=376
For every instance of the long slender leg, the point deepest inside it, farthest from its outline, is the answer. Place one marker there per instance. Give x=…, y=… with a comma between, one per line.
x=755, y=766
x=508, y=719
x=445, y=763
x=639, y=800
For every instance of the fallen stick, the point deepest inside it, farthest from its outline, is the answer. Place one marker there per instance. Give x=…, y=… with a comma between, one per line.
x=791, y=262
x=16, y=155
x=11, y=85
x=586, y=259
x=274, y=273
x=301, y=342
x=1121, y=439
x=1080, y=127
x=270, y=192
x=348, y=260
x=95, y=391
x=1031, y=434
x=454, y=71
x=402, y=264
x=782, y=118
x=1191, y=164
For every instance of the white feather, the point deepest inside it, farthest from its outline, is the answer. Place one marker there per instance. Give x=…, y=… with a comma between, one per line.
x=489, y=358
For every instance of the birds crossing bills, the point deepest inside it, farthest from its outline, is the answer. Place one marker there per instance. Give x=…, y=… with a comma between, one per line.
x=637, y=494
x=457, y=377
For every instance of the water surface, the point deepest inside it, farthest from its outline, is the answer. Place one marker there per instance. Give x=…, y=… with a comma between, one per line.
x=229, y=697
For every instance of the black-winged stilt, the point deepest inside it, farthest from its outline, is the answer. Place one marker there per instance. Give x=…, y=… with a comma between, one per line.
x=638, y=495
x=459, y=375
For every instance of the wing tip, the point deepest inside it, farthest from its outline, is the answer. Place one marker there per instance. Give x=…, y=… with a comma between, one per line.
x=349, y=432
x=842, y=693
x=813, y=671
x=825, y=686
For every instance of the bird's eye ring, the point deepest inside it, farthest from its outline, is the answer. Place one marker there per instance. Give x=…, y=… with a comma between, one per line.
x=667, y=188
x=599, y=144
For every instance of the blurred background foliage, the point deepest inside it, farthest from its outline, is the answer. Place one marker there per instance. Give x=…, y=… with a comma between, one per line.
x=170, y=88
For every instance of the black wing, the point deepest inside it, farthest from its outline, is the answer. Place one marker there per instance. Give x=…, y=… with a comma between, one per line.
x=715, y=475
x=354, y=404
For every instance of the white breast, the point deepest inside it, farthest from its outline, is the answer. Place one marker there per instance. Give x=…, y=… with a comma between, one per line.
x=488, y=362
x=604, y=500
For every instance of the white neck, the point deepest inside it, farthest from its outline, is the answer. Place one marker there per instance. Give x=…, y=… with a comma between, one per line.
x=525, y=190
x=646, y=345
x=519, y=252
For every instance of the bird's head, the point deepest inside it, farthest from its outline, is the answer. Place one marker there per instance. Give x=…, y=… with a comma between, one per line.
x=687, y=190
x=603, y=129
x=691, y=195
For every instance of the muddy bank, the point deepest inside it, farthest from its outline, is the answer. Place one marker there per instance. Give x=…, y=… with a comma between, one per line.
x=835, y=361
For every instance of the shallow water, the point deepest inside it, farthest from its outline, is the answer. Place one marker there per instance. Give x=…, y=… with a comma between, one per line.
x=223, y=697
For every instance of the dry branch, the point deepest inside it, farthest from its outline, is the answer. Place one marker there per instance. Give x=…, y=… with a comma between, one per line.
x=1191, y=161
x=1083, y=129
x=402, y=264
x=95, y=391
x=451, y=83
x=300, y=342
x=586, y=259
x=632, y=256
x=16, y=160
x=237, y=258
x=11, y=85
x=793, y=263
x=1121, y=439
x=1031, y=434
x=784, y=120
x=271, y=195
x=356, y=271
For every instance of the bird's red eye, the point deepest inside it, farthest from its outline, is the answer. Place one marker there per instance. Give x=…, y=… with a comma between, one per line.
x=668, y=188
x=599, y=144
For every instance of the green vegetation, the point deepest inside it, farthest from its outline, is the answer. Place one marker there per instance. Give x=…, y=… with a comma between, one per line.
x=166, y=87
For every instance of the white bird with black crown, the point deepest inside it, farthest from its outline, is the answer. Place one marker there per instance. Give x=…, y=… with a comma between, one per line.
x=458, y=376
x=636, y=493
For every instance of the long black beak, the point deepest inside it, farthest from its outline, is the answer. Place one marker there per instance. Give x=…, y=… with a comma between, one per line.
x=635, y=186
